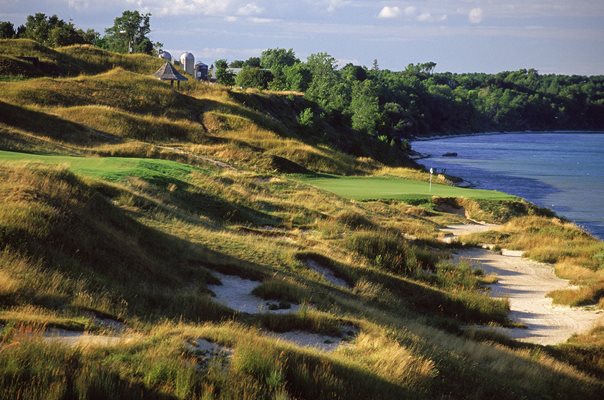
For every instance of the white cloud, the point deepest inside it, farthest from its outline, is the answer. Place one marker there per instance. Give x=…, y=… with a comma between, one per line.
x=250, y=9
x=231, y=18
x=427, y=17
x=333, y=5
x=410, y=11
x=257, y=20
x=389, y=12
x=475, y=15
x=78, y=4
x=183, y=7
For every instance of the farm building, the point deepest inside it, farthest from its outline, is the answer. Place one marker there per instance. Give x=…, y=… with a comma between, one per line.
x=188, y=62
x=201, y=71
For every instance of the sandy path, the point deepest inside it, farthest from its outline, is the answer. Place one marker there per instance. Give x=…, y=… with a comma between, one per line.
x=453, y=232
x=327, y=274
x=525, y=283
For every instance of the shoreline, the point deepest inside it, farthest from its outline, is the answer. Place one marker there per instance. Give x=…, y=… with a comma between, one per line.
x=491, y=133
x=464, y=182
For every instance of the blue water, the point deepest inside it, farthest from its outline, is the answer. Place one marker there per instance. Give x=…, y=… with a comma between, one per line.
x=561, y=171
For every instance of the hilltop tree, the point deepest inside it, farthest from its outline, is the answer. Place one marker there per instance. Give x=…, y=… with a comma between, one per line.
x=7, y=30
x=223, y=74
x=253, y=77
x=129, y=34
x=327, y=88
x=53, y=31
x=276, y=60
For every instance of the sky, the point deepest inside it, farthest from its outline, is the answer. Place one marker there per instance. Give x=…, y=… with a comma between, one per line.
x=552, y=36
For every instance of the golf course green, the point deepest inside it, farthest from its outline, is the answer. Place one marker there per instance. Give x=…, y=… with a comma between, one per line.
x=109, y=168
x=365, y=188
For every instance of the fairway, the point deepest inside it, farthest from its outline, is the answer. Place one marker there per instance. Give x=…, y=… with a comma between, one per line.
x=109, y=168
x=366, y=188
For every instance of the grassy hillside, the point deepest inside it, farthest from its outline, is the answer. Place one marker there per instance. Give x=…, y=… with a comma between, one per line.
x=126, y=202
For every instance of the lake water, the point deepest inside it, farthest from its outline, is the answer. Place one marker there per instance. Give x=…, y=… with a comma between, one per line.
x=561, y=171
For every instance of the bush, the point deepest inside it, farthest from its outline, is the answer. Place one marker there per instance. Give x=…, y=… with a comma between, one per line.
x=387, y=250
x=306, y=118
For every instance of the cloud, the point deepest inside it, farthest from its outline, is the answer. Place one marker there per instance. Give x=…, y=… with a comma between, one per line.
x=183, y=7
x=475, y=15
x=250, y=9
x=389, y=12
x=257, y=20
x=78, y=4
x=333, y=5
x=427, y=17
x=410, y=11
x=231, y=18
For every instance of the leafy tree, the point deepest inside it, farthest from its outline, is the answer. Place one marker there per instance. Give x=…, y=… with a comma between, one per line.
x=327, y=88
x=223, y=74
x=129, y=33
x=253, y=62
x=53, y=31
x=365, y=108
x=306, y=118
x=297, y=77
x=253, y=77
x=7, y=30
x=237, y=64
x=276, y=60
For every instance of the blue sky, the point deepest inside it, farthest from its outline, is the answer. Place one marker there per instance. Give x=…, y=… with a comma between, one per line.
x=553, y=36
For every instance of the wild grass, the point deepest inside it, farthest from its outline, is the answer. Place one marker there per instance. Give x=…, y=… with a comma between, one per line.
x=137, y=239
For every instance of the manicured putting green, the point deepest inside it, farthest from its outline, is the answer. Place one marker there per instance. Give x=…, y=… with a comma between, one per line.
x=366, y=188
x=109, y=168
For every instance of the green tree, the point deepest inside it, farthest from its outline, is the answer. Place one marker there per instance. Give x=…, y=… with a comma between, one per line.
x=365, y=108
x=297, y=77
x=253, y=77
x=129, y=33
x=276, y=60
x=327, y=87
x=306, y=118
x=53, y=31
x=223, y=74
x=7, y=30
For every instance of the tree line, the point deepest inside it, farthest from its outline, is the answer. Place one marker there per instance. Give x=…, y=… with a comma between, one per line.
x=129, y=33
x=396, y=105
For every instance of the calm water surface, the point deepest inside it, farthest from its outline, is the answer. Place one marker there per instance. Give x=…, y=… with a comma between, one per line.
x=561, y=171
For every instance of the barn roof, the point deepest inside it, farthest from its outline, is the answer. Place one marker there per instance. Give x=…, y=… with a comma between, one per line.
x=168, y=73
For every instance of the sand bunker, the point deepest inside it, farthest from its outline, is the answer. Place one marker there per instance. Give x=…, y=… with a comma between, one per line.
x=326, y=273
x=525, y=283
x=316, y=340
x=236, y=293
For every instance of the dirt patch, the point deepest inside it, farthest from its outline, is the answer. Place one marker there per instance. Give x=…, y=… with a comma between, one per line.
x=526, y=283
x=236, y=293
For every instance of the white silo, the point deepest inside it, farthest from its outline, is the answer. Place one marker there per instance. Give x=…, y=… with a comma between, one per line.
x=188, y=62
x=165, y=55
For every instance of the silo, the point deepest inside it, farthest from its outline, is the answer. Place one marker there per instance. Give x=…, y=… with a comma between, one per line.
x=188, y=62
x=165, y=55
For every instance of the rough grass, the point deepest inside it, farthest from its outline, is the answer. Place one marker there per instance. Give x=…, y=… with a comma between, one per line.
x=137, y=238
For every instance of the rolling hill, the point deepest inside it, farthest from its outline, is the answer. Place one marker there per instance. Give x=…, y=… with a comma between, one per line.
x=133, y=212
